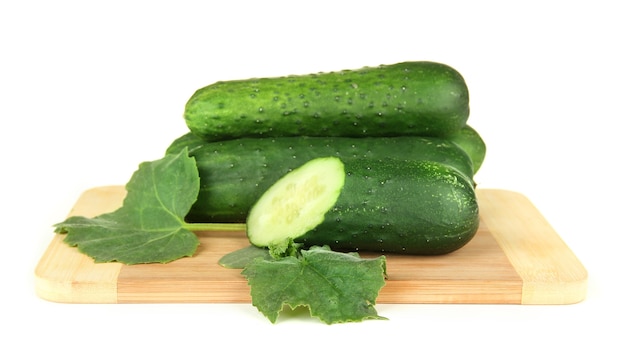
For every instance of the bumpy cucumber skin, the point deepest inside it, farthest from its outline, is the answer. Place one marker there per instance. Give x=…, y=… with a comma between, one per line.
x=235, y=173
x=408, y=98
x=420, y=208
x=469, y=140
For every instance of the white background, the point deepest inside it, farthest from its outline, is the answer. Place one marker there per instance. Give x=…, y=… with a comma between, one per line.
x=90, y=89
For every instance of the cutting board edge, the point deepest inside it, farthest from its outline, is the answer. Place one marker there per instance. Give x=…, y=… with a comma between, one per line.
x=66, y=281
x=560, y=277
x=70, y=292
x=71, y=279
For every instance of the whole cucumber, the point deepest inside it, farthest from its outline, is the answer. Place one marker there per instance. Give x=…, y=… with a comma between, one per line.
x=404, y=207
x=234, y=173
x=409, y=98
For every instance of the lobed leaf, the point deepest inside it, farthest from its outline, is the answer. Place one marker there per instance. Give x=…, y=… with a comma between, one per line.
x=336, y=287
x=149, y=227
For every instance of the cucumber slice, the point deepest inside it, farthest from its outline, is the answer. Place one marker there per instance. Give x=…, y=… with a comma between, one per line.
x=296, y=203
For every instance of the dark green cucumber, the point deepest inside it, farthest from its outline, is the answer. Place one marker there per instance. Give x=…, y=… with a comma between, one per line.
x=234, y=173
x=469, y=140
x=409, y=98
x=404, y=207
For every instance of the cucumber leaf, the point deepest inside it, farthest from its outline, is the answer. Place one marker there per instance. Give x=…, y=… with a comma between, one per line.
x=149, y=227
x=336, y=287
x=239, y=258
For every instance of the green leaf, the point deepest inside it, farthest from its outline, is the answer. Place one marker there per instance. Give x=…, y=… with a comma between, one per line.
x=336, y=287
x=285, y=248
x=149, y=227
x=239, y=258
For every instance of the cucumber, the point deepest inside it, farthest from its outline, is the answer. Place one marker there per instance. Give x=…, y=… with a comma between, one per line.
x=234, y=173
x=469, y=140
x=408, y=98
x=391, y=206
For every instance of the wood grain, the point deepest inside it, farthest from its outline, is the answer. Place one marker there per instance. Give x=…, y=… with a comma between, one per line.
x=515, y=258
x=65, y=275
x=552, y=274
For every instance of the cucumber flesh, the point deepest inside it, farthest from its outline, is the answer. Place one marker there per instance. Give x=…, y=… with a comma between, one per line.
x=296, y=203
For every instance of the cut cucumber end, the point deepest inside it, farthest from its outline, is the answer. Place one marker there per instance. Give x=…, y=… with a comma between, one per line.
x=296, y=203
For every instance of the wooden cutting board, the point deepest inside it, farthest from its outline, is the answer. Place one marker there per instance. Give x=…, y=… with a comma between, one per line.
x=515, y=258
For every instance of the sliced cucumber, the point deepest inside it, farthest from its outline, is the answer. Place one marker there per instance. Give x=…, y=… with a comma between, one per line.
x=297, y=202
x=407, y=207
